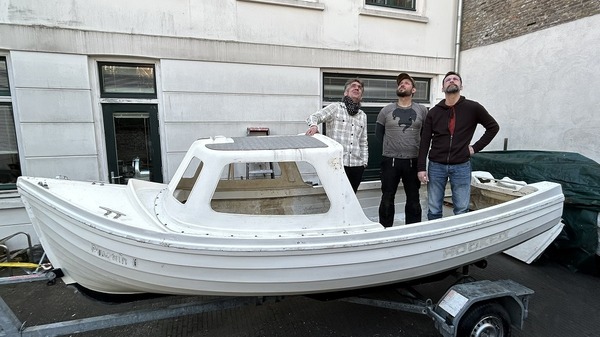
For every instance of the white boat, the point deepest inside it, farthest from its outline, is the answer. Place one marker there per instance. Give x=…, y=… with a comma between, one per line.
x=290, y=231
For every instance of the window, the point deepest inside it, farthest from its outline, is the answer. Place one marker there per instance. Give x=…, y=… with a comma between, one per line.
x=127, y=80
x=188, y=180
x=400, y=4
x=377, y=88
x=10, y=167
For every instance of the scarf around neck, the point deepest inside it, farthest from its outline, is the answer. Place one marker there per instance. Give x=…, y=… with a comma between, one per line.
x=351, y=106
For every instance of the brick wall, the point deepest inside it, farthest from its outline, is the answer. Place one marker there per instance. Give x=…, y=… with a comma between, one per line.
x=490, y=21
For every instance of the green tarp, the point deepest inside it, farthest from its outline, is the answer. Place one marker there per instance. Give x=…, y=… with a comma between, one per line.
x=579, y=177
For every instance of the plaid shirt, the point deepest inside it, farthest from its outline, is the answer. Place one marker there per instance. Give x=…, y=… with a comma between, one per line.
x=350, y=131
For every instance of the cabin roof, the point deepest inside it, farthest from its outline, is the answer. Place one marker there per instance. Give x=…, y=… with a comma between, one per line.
x=268, y=143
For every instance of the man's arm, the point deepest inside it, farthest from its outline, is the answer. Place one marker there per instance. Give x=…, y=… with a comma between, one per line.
x=322, y=115
x=424, y=147
x=491, y=129
x=380, y=125
x=379, y=132
x=364, y=144
x=426, y=132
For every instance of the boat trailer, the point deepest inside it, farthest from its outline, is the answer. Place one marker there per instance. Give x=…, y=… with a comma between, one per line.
x=468, y=308
x=474, y=308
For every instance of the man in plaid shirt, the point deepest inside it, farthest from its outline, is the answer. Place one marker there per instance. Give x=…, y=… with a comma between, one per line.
x=346, y=123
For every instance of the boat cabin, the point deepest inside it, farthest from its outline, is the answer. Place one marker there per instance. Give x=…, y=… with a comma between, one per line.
x=269, y=183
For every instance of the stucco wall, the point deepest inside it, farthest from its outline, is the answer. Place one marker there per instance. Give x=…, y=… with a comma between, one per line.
x=53, y=111
x=59, y=115
x=221, y=66
x=343, y=25
x=203, y=99
x=541, y=87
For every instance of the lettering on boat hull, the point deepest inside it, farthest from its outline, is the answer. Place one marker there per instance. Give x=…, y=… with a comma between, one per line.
x=113, y=257
x=475, y=244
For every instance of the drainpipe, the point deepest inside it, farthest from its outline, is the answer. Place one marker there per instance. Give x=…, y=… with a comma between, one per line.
x=458, y=25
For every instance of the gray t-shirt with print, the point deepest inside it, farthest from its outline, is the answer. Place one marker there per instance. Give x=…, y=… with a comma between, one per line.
x=402, y=127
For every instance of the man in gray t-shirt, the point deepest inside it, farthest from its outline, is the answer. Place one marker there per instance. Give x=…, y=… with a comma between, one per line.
x=399, y=129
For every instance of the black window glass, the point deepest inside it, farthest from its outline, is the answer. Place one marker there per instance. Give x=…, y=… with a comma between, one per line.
x=401, y=4
x=127, y=80
x=4, y=89
x=10, y=168
x=376, y=89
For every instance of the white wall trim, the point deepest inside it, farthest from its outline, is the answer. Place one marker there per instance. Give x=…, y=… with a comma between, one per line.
x=107, y=44
x=393, y=15
x=291, y=3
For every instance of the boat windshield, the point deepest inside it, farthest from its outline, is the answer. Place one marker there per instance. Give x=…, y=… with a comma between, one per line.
x=188, y=180
x=278, y=188
x=272, y=188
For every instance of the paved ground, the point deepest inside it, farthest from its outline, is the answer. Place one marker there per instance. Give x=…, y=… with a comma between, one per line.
x=564, y=304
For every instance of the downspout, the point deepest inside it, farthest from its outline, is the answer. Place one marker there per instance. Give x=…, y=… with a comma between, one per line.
x=458, y=26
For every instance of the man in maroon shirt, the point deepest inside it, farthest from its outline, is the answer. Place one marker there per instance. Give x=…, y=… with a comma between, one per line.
x=447, y=133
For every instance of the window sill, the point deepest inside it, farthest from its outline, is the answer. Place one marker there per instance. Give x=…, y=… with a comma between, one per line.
x=110, y=100
x=291, y=3
x=393, y=15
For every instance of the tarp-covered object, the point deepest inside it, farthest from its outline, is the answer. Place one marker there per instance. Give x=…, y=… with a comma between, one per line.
x=580, y=179
x=578, y=175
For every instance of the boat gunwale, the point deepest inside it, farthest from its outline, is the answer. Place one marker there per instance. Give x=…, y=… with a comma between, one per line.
x=339, y=239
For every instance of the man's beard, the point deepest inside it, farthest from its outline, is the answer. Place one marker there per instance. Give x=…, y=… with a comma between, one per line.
x=402, y=93
x=452, y=88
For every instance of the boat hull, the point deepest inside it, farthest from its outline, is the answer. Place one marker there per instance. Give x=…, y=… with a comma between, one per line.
x=97, y=253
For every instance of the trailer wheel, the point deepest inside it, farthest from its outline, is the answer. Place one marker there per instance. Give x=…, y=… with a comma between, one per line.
x=485, y=320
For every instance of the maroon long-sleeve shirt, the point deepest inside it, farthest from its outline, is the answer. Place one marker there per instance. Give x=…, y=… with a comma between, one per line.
x=445, y=148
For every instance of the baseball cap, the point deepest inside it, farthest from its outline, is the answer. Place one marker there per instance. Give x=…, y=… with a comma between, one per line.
x=403, y=76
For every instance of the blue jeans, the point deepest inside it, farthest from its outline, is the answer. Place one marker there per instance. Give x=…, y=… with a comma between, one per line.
x=460, y=184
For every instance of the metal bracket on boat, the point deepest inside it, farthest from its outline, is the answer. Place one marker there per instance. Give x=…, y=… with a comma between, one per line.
x=109, y=211
x=43, y=184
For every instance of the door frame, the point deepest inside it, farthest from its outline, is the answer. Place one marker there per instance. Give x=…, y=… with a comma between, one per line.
x=108, y=111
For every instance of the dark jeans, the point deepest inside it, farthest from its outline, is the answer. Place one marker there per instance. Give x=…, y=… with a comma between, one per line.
x=354, y=174
x=392, y=170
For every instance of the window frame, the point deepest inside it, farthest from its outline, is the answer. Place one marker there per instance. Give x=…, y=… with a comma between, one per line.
x=134, y=95
x=6, y=99
x=5, y=92
x=335, y=97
